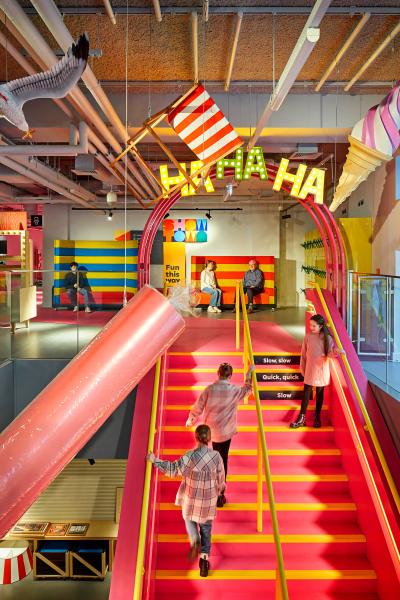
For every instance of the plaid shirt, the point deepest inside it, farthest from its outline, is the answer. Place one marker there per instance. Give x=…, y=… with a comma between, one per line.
x=218, y=405
x=203, y=475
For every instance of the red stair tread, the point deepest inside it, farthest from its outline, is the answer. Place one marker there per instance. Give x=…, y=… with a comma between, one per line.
x=318, y=547
x=173, y=556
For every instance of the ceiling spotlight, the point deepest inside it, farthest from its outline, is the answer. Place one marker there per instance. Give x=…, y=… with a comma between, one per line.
x=208, y=215
x=91, y=461
x=166, y=216
x=110, y=215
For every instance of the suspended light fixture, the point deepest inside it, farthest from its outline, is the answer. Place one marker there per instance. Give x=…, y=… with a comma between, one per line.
x=208, y=215
x=111, y=198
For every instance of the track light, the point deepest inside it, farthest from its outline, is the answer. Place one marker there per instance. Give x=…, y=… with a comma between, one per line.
x=91, y=461
x=208, y=215
x=110, y=215
x=166, y=216
x=286, y=217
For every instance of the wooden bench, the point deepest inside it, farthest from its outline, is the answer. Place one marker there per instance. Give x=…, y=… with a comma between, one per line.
x=231, y=269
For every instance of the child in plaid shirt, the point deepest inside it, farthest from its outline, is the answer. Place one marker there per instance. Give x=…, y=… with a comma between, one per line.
x=203, y=481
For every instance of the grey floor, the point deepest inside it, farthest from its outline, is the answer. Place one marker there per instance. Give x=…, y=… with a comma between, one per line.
x=57, y=340
x=30, y=589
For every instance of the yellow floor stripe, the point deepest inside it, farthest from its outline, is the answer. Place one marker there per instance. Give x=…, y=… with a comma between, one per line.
x=270, y=575
x=280, y=386
x=280, y=506
x=217, y=353
x=253, y=478
x=259, y=369
x=201, y=370
x=277, y=353
x=251, y=452
x=248, y=407
x=254, y=428
x=263, y=538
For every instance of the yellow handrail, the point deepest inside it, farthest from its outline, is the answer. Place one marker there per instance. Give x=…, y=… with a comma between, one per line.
x=393, y=549
x=137, y=592
x=237, y=306
x=360, y=401
x=281, y=585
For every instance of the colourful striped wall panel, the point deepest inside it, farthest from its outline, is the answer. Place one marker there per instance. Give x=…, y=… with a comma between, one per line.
x=104, y=263
x=232, y=268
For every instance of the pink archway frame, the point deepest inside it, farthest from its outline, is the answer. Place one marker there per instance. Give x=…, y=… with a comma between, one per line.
x=328, y=229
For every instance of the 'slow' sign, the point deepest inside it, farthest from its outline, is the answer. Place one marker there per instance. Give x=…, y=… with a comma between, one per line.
x=283, y=359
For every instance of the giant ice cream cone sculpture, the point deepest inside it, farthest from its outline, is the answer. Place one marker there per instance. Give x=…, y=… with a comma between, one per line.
x=373, y=141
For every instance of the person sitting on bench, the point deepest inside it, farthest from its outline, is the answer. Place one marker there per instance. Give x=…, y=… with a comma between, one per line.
x=208, y=284
x=75, y=281
x=253, y=283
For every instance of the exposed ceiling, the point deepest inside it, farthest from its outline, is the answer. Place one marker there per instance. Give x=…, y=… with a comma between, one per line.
x=157, y=57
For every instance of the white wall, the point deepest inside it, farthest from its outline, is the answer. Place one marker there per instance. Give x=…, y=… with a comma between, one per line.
x=378, y=193
x=252, y=231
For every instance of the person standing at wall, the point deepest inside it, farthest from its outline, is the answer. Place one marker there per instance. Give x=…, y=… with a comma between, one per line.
x=203, y=481
x=75, y=281
x=208, y=284
x=318, y=347
x=217, y=406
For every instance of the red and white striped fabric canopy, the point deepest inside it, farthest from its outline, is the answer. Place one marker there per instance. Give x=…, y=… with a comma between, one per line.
x=15, y=561
x=203, y=126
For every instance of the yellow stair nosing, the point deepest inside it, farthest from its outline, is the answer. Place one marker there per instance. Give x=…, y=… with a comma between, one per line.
x=275, y=452
x=254, y=429
x=279, y=386
x=280, y=506
x=269, y=575
x=209, y=353
x=248, y=407
x=259, y=369
x=281, y=477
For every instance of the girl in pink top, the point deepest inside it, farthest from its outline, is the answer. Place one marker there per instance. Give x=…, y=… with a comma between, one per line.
x=318, y=347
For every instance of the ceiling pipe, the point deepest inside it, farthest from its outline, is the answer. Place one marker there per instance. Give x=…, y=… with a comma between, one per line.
x=360, y=25
x=12, y=50
x=50, y=175
x=373, y=56
x=52, y=17
x=239, y=18
x=109, y=11
x=157, y=10
x=44, y=181
x=25, y=27
x=50, y=149
x=302, y=50
x=7, y=190
x=195, y=47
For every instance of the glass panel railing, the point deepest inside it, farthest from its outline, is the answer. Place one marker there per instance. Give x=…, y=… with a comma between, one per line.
x=40, y=317
x=373, y=323
x=5, y=316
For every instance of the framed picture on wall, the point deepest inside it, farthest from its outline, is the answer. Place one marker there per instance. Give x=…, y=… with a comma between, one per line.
x=78, y=529
x=57, y=529
x=30, y=528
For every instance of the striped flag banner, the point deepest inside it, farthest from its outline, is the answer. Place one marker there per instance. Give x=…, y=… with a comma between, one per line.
x=203, y=126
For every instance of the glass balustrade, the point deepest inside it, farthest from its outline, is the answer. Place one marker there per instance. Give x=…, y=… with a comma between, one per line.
x=37, y=316
x=373, y=323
